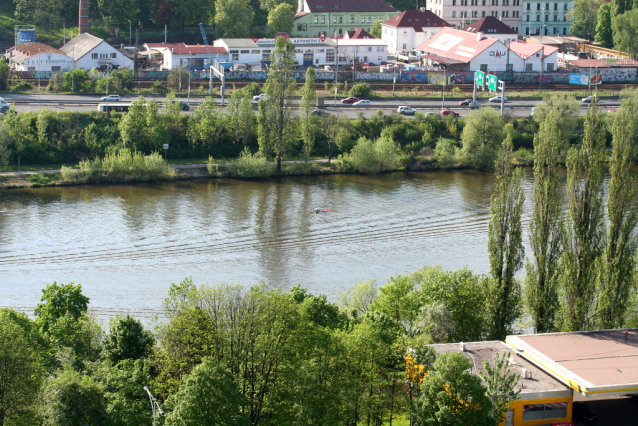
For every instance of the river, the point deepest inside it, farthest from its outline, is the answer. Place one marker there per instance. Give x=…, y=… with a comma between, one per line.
x=127, y=243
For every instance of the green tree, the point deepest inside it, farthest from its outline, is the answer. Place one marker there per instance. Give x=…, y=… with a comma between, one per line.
x=281, y=19
x=445, y=153
x=584, y=237
x=272, y=4
x=505, y=243
x=4, y=75
x=482, y=134
x=206, y=125
x=618, y=7
x=618, y=268
x=336, y=130
x=625, y=29
x=177, y=80
x=358, y=299
x=583, y=17
x=116, y=13
x=309, y=122
x=276, y=124
x=242, y=123
x=375, y=29
x=604, y=33
x=39, y=12
x=501, y=385
x=567, y=108
x=57, y=301
x=233, y=18
x=545, y=228
x=399, y=300
x=142, y=128
x=208, y=396
x=127, y=339
x=452, y=396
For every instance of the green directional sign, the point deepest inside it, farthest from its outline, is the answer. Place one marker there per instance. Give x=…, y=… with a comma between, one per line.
x=479, y=78
x=492, y=82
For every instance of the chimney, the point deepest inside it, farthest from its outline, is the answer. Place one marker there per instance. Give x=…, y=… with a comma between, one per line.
x=301, y=5
x=479, y=36
x=83, y=26
x=422, y=9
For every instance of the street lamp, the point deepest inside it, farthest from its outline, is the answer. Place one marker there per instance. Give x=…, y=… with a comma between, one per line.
x=154, y=405
x=129, y=31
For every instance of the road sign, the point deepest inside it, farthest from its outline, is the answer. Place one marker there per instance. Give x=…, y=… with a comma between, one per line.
x=492, y=82
x=165, y=146
x=322, y=38
x=479, y=78
x=255, y=39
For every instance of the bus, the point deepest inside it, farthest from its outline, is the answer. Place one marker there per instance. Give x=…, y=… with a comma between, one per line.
x=114, y=107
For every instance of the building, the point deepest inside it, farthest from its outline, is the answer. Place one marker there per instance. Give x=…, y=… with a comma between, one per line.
x=34, y=56
x=325, y=17
x=565, y=44
x=363, y=50
x=464, y=51
x=175, y=55
x=536, y=56
x=90, y=52
x=460, y=13
x=355, y=33
x=547, y=18
x=493, y=28
x=407, y=30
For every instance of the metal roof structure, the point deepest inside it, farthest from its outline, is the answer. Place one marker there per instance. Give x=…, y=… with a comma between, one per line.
x=417, y=19
x=80, y=45
x=529, y=49
x=489, y=25
x=456, y=44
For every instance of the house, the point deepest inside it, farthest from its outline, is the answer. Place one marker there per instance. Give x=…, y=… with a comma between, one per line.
x=460, y=13
x=327, y=17
x=536, y=56
x=355, y=33
x=464, y=51
x=547, y=18
x=407, y=30
x=175, y=55
x=372, y=50
x=492, y=28
x=34, y=56
x=90, y=52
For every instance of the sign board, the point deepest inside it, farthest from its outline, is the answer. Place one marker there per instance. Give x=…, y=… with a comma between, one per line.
x=534, y=31
x=479, y=78
x=255, y=39
x=492, y=82
x=441, y=79
x=165, y=146
x=322, y=39
x=585, y=79
x=294, y=40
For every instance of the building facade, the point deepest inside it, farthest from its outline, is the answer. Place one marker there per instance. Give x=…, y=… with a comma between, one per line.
x=547, y=18
x=461, y=13
x=372, y=50
x=34, y=56
x=175, y=55
x=410, y=28
x=493, y=28
x=90, y=52
x=536, y=56
x=327, y=17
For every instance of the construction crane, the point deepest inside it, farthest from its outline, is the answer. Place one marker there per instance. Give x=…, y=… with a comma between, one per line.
x=214, y=67
x=210, y=54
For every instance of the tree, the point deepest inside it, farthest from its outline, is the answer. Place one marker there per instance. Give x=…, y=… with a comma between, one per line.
x=618, y=268
x=584, y=237
x=127, y=339
x=505, y=243
x=604, y=34
x=583, y=17
x=116, y=13
x=567, y=107
x=336, y=130
x=618, y=7
x=482, y=134
x=276, y=124
x=452, y=396
x=21, y=367
x=625, y=28
x=375, y=29
x=501, y=385
x=545, y=229
x=4, y=75
x=242, y=122
x=272, y=4
x=281, y=19
x=208, y=396
x=308, y=121
x=233, y=18
x=39, y=12
x=358, y=299
x=142, y=128
x=399, y=300
x=178, y=79
x=57, y=301
x=206, y=125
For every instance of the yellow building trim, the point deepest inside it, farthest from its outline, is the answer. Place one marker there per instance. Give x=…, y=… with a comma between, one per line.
x=518, y=407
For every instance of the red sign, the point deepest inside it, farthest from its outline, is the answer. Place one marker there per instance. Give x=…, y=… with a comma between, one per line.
x=255, y=39
x=322, y=38
x=596, y=79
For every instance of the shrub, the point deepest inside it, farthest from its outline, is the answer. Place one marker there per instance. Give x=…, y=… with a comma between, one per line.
x=56, y=83
x=158, y=87
x=444, y=153
x=360, y=90
x=373, y=157
x=123, y=166
x=250, y=165
x=21, y=87
x=253, y=89
x=204, y=86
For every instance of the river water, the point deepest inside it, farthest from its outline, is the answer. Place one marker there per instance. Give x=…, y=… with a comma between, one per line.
x=127, y=243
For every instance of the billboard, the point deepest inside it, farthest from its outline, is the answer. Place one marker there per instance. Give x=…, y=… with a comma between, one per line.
x=480, y=78
x=492, y=82
x=534, y=31
x=585, y=79
x=441, y=79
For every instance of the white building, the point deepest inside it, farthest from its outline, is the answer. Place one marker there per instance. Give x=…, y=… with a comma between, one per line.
x=35, y=56
x=463, y=51
x=175, y=55
x=536, y=55
x=372, y=50
x=409, y=29
x=463, y=12
x=90, y=52
x=493, y=28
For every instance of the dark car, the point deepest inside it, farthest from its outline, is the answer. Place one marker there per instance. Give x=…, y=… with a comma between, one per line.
x=184, y=105
x=319, y=112
x=446, y=112
x=466, y=102
x=582, y=412
x=350, y=100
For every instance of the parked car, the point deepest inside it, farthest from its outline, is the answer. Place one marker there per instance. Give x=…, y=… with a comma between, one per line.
x=349, y=100
x=406, y=110
x=362, y=102
x=446, y=112
x=589, y=99
x=4, y=103
x=319, y=112
x=582, y=412
x=497, y=99
x=383, y=63
x=184, y=105
x=429, y=113
x=466, y=102
x=111, y=98
x=532, y=111
x=260, y=97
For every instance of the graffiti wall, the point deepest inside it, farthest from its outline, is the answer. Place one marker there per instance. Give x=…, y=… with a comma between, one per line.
x=615, y=75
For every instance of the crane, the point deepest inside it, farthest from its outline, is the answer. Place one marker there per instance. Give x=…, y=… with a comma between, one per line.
x=214, y=66
x=210, y=54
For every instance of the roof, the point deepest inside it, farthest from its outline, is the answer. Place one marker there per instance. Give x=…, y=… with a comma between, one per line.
x=80, y=45
x=603, y=63
x=456, y=44
x=416, y=19
x=33, y=48
x=236, y=42
x=547, y=39
x=528, y=50
x=355, y=33
x=183, y=48
x=591, y=362
x=442, y=60
x=361, y=42
x=489, y=25
x=372, y=6
x=479, y=352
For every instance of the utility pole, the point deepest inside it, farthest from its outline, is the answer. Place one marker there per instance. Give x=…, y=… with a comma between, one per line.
x=336, y=65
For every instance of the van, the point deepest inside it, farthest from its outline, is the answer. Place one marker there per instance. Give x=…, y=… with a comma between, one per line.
x=239, y=67
x=327, y=68
x=4, y=103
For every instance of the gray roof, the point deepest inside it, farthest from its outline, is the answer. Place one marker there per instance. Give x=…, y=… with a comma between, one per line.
x=239, y=42
x=80, y=45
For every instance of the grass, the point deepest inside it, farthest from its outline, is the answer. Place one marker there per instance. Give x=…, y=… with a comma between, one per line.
x=43, y=179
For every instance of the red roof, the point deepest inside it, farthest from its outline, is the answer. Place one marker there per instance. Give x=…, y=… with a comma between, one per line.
x=356, y=33
x=456, y=44
x=489, y=25
x=181, y=48
x=416, y=19
x=604, y=63
x=343, y=6
x=527, y=50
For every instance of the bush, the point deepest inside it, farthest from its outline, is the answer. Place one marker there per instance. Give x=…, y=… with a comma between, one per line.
x=360, y=90
x=253, y=89
x=204, y=86
x=158, y=87
x=56, y=83
x=444, y=153
x=21, y=87
x=250, y=165
x=373, y=157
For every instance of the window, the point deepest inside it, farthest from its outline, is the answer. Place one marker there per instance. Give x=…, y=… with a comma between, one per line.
x=369, y=48
x=235, y=57
x=546, y=18
x=334, y=19
x=365, y=59
x=340, y=31
x=484, y=67
x=93, y=55
x=545, y=411
x=538, y=17
x=483, y=5
x=244, y=51
x=104, y=55
x=565, y=8
x=483, y=13
x=555, y=19
x=453, y=2
x=317, y=19
x=369, y=20
x=363, y=19
x=31, y=69
x=509, y=67
x=341, y=19
x=506, y=2
x=234, y=51
x=113, y=55
x=255, y=52
x=352, y=20
x=323, y=19
x=405, y=46
x=527, y=18
x=528, y=67
x=538, y=6
x=330, y=55
x=453, y=14
x=564, y=30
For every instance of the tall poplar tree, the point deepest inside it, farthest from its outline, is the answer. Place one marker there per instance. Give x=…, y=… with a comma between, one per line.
x=618, y=269
x=308, y=102
x=545, y=228
x=505, y=243
x=585, y=230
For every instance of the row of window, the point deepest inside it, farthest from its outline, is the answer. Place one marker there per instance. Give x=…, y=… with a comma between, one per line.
x=555, y=31
x=494, y=13
x=483, y=2
x=339, y=19
x=103, y=55
x=528, y=68
x=538, y=18
x=547, y=6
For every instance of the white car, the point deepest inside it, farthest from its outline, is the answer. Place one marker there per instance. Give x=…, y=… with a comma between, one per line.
x=4, y=103
x=497, y=99
x=260, y=97
x=111, y=98
x=362, y=102
x=406, y=110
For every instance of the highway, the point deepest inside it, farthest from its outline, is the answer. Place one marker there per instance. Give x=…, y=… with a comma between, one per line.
x=86, y=103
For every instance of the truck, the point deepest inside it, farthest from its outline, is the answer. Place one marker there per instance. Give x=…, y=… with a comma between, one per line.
x=407, y=57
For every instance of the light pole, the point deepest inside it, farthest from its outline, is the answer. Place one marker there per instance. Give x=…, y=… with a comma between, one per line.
x=154, y=405
x=129, y=32
x=39, y=70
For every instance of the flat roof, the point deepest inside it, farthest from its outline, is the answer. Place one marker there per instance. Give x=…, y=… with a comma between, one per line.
x=590, y=362
x=540, y=385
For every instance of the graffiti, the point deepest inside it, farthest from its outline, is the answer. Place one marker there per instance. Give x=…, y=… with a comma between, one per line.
x=322, y=75
x=613, y=75
x=153, y=74
x=463, y=77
